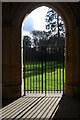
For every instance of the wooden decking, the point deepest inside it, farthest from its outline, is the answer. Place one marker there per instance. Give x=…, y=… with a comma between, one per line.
x=32, y=107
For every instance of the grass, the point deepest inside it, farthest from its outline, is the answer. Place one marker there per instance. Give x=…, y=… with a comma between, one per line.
x=33, y=76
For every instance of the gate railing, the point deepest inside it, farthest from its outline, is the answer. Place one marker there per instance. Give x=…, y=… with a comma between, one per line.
x=43, y=69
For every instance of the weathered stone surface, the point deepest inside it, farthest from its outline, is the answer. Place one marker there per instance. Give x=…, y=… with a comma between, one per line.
x=13, y=15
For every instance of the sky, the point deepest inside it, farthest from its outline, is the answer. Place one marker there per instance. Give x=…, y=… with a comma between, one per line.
x=35, y=20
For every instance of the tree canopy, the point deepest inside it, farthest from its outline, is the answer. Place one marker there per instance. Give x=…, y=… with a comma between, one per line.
x=54, y=24
x=54, y=35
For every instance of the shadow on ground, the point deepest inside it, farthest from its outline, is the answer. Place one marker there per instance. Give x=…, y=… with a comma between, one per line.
x=68, y=108
x=42, y=107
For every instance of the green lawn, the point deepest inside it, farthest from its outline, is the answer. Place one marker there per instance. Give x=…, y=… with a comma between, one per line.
x=54, y=76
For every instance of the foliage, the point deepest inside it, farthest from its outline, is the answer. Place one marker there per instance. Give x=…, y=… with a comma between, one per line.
x=39, y=37
x=53, y=37
x=54, y=24
x=27, y=40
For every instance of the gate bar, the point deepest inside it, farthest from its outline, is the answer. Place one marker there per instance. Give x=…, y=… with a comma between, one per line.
x=42, y=70
x=33, y=70
x=57, y=70
x=36, y=69
x=30, y=69
x=45, y=70
x=24, y=64
x=48, y=70
x=51, y=69
x=60, y=69
x=39, y=73
x=27, y=70
x=63, y=70
x=54, y=69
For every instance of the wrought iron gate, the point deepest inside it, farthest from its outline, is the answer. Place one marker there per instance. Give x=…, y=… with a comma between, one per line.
x=43, y=68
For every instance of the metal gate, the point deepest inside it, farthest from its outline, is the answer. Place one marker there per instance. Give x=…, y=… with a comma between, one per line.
x=43, y=69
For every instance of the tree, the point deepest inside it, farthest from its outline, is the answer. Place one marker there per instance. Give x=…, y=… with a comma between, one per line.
x=39, y=38
x=27, y=40
x=54, y=24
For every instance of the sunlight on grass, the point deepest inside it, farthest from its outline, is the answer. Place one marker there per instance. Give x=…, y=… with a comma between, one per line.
x=54, y=76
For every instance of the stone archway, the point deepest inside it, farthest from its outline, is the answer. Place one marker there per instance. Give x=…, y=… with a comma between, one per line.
x=67, y=16
x=69, y=19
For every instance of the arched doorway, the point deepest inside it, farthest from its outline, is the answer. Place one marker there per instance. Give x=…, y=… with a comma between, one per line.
x=44, y=55
x=70, y=24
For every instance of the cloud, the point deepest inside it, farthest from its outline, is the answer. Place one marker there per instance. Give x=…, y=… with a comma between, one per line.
x=35, y=20
x=28, y=24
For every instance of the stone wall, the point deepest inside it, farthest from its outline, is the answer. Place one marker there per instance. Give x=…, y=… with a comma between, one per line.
x=13, y=15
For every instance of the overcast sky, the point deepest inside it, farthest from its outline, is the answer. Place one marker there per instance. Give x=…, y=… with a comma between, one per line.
x=35, y=20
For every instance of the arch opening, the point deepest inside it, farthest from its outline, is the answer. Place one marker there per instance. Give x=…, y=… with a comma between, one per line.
x=55, y=40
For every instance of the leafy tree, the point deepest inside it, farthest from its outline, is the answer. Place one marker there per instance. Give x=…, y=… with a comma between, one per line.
x=27, y=40
x=54, y=24
x=39, y=38
x=56, y=42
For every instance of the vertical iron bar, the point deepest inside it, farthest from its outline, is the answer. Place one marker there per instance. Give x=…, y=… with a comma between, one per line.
x=54, y=68
x=48, y=71
x=57, y=70
x=63, y=70
x=33, y=67
x=24, y=64
x=51, y=69
x=39, y=72
x=45, y=70
x=30, y=69
x=60, y=69
x=36, y=71
x=27, y=70
x=42, y=71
